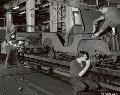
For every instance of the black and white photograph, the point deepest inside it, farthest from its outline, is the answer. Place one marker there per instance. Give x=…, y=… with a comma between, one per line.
x=59, y=47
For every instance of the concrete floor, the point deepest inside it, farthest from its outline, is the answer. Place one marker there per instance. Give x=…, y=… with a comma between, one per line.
x=34, y=83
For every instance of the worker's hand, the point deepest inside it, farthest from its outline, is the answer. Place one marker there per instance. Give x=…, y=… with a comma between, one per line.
x=95, y=35
x=80, y=74
x=85, y=68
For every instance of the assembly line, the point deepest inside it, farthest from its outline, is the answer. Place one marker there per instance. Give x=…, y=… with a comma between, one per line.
x=60, y=47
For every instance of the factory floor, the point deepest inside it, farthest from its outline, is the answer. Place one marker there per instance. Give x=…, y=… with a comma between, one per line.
x=19, y=80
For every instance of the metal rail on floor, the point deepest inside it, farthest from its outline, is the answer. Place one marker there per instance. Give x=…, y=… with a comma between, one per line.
x=98, y=70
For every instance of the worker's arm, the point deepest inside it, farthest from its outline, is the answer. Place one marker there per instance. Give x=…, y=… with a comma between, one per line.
x=7, y=48
x=99, y=19
x=85, y=69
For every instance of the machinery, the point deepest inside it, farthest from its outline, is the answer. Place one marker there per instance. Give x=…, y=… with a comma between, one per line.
x=56, y=49
x=79, y=35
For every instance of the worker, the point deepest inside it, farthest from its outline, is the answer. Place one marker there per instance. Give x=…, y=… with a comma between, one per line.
x=78, y=73
x=111, y=18
x=11, y=58
x=3, y=50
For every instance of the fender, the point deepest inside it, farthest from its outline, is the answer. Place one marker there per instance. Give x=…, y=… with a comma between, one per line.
x=58, y=45
x=80, y=43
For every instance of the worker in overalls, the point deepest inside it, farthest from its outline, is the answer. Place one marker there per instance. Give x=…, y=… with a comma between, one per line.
x=78, y=73
x=11, y=50
x=111, y=18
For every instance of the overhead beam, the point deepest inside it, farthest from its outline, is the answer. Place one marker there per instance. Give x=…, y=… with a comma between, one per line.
x=11, y=4
x=76, y=4
x=20, y=1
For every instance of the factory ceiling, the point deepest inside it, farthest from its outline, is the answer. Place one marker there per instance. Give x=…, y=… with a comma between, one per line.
x=42, y=11
x=87, y=3
x=7, y=4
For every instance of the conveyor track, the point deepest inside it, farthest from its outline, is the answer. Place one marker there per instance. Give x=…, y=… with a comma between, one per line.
x=107, y=74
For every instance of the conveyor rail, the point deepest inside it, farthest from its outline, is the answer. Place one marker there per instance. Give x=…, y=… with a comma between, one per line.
x=63, y=69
